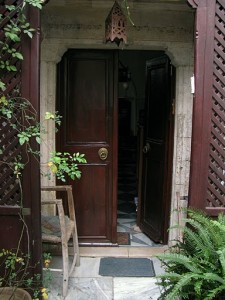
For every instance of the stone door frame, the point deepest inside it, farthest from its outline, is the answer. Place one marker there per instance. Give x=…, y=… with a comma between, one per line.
x=182, y=57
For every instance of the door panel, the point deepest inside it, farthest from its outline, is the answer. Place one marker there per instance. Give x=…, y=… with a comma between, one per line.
x=86, y=116
x=86, y=102
x=157, y=156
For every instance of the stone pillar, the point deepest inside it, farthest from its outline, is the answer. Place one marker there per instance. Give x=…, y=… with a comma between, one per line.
x=182, y=145
x=47, y=95
x=50, y=56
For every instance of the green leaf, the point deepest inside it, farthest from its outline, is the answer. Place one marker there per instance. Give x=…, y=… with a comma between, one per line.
x=21, y=141
x=13, y=68
x=29, y=34
x=2, y=86
x=49, y=116
x=12, y=36
x=57, y=159
x=38, y=139
x=18, y=55
x=10, y=7
x=221, y=254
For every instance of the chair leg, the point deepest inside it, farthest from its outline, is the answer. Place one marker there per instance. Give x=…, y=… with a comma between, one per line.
x=65, y=257
x=76, y=255
x=76, y=245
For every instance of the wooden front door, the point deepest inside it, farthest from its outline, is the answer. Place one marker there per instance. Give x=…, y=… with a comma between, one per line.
x=87, y=101
x=157, y=151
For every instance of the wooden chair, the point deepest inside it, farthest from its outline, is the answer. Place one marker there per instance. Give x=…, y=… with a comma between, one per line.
x=60, y=228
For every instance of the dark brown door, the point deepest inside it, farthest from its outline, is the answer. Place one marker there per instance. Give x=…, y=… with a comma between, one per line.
x=87, y=102
x=206, y=189
x=157, y=151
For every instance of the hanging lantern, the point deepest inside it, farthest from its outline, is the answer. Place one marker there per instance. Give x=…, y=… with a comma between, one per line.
x=115, y=25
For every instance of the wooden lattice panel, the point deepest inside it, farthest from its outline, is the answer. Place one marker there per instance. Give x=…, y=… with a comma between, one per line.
x=11, y=79
x=9, y=145
x=216, y=176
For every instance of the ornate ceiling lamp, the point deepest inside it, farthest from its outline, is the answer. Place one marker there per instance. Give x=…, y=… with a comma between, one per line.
x=115, y=25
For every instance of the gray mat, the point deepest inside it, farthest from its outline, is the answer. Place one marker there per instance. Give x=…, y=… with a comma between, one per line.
x=126, y=267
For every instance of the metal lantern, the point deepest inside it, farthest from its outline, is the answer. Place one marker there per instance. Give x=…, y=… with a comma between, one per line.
x=115, y=25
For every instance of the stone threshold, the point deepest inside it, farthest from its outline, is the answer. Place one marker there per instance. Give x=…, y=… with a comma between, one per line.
x=98, y=251
x=122, y=251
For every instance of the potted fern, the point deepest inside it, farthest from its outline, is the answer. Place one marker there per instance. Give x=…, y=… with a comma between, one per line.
x=195, y=266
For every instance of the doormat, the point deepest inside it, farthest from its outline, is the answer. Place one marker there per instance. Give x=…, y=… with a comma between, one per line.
x=123, y=238
x=126, y=267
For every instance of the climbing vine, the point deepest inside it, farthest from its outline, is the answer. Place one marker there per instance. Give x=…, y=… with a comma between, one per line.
x=19, y=114
x=26, y=123
x=13, y=29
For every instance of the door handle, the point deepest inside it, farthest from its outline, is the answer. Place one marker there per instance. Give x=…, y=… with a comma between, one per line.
x=146, y=148
x=103, y=153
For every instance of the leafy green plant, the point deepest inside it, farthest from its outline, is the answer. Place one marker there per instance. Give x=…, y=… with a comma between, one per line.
x=19, y=114
x=16, y=266
x=195, y=266
x=17, y=111
x=12, y=33
x=22, y=117
x=66, y=163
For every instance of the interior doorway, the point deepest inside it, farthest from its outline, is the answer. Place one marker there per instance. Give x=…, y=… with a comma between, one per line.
x=132, y=123
x=99, y=92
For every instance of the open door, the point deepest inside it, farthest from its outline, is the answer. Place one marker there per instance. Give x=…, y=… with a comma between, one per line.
x=157, y=149
x=87, y=100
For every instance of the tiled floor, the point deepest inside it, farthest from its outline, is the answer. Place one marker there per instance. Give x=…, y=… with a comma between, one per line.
x=126, y=217
x=127, y=223
x=87, y=284
x=127, y=194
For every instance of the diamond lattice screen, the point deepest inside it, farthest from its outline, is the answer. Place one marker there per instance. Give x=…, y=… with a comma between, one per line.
x=9, y=146
x=216, y=176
